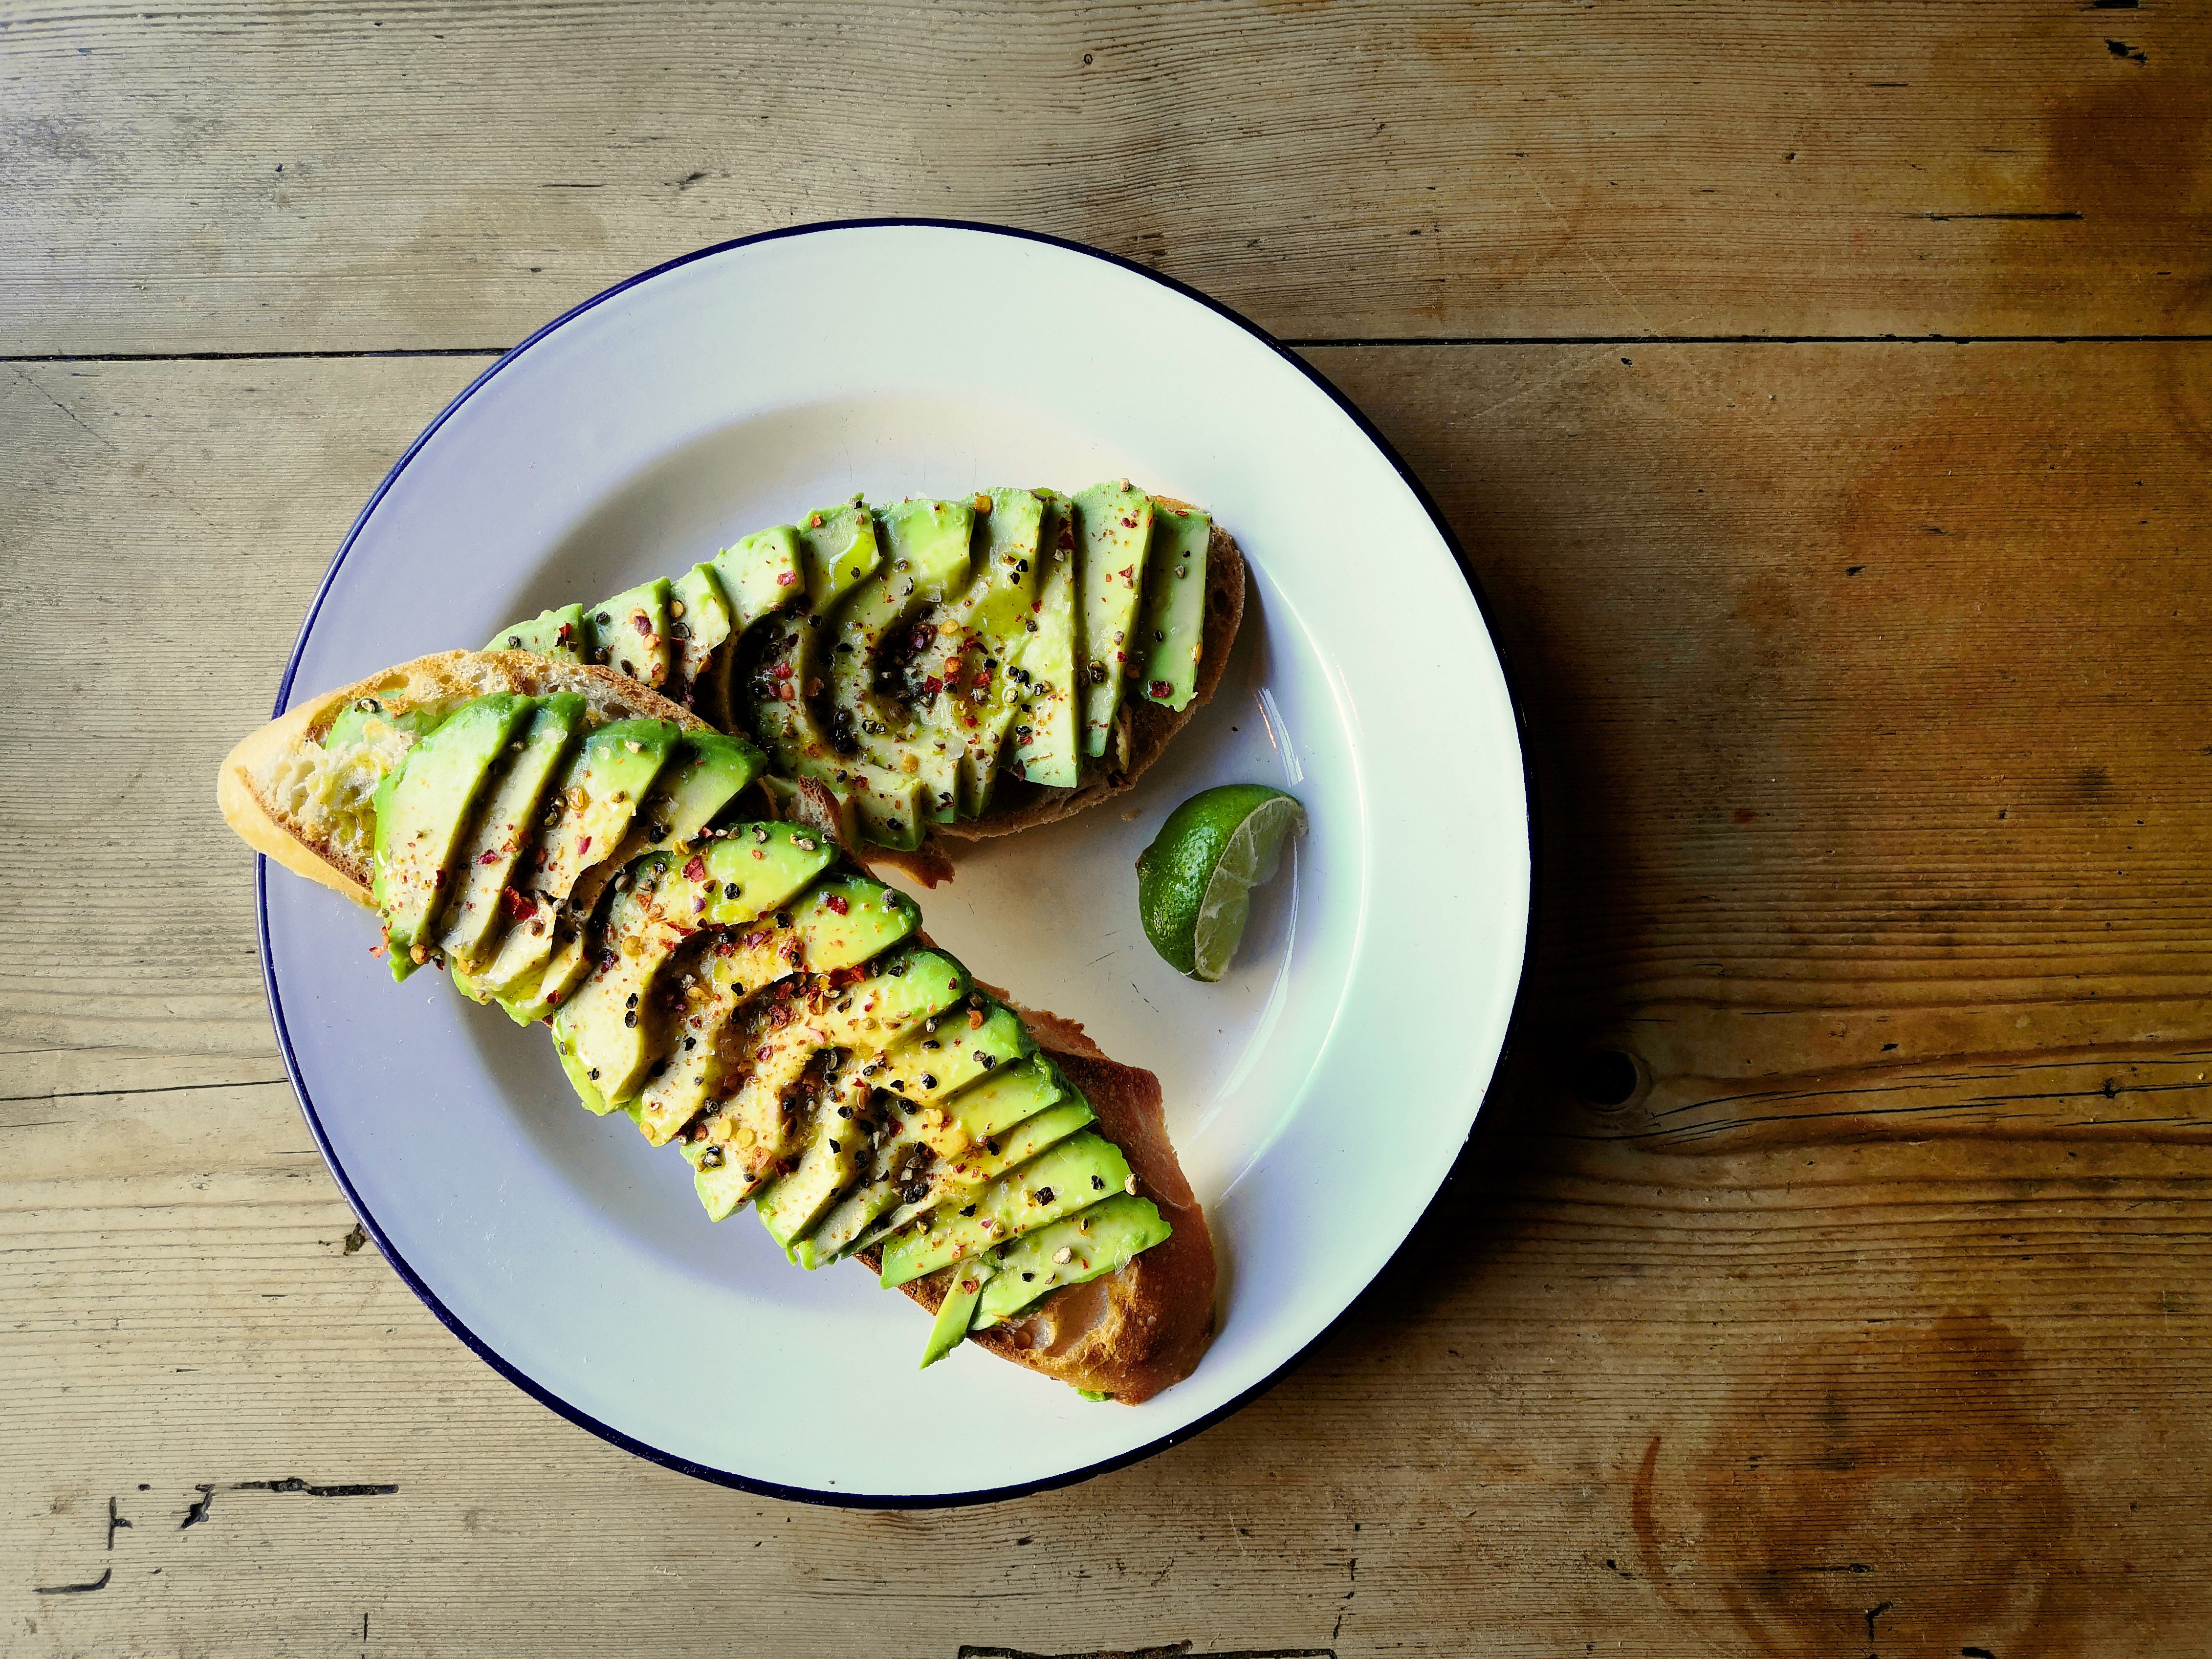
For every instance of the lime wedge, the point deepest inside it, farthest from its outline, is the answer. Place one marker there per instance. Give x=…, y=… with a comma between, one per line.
x=1195, y=882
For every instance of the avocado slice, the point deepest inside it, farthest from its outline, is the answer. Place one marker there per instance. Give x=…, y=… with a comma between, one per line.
x=504, y=828
x=907, y=990
x=608, y=1030
x=560, y=635
x=423, y=808
x=629, y=632
x=1097, y=1241
x=755, y=577
x=1114, y=525
x=841, y=922
x=926, y=1068
x=544, y=991
x=961, y=1297
x=956, y=1176
x=1047, y=719
x=698, y=626
x=1175, y=606
x=773, y=690
x=972, y=671
x=597, y=798
x=926, y=561
x=932, y=1127
x=836, y=1145
x=1057, y=1183
x=365, y=719
x=705, y=773
x=839, y=550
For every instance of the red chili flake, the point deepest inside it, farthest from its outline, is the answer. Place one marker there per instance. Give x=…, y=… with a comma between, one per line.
x=377, y=950
x=933, y=685
x=836, y=902
x=779, y=1016
x=1162, y=689
x=786, y=578
x=783, y=671
x=1128, y=572
x=564, y=631
x=785, y=694
x=726, y=948
x=1128, y=524
x=491, y=856
x=1036, y=605
x=642, y=622
x=438, y=881
x=696, y=869
x=517, y=904
x=583, y=846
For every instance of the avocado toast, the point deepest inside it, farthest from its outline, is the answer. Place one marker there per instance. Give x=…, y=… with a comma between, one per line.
x=943, y=670
x=585, y=853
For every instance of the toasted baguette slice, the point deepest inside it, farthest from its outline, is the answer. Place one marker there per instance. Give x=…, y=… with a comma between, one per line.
x=1128, y=1334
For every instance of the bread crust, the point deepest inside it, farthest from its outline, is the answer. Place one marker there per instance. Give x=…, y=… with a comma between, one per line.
x=1129, y=1334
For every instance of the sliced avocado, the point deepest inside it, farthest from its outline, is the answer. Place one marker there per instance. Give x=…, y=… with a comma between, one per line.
x=926, y=561
x=961, y=1297
x=921, y=1074
x=903, y=989
x=782, y=671
x=1056, y=1184
x=741, y=878
x=629, y=632
x=505, y=827
x=955, y=1177
x=841, y=922
x=705, y=773
x=838, y=1233
x=422, y=807
x=608, y=1030
x=365, y=720
x=1175, y=606
x=836, y=1148
x=560, y=635
x=972, y=670
x=563, y=972
x=1047, y=719
x=1097, y=1241
x=613, y=771
x=698, y=626
x=1113, y=524
x=756, y=577
x=839, y=552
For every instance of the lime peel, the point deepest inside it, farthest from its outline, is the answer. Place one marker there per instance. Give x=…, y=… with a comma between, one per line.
x=1195, y=882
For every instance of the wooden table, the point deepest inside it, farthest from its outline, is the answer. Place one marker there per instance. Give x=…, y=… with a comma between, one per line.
x=1824, y=394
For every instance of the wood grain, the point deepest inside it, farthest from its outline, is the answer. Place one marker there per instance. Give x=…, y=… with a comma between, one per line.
x=238, y=177
x=1865, y=690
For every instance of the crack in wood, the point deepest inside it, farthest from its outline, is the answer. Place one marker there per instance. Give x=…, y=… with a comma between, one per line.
x=100, y=1582
x=1171, y=1651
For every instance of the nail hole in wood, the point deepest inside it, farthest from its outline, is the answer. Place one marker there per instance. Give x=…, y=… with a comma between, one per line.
x=1607, y=1076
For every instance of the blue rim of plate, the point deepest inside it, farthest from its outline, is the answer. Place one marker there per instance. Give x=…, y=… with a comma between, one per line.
x=545, y=1396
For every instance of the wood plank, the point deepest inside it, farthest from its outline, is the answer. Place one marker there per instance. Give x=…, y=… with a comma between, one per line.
x=1809, y=1331
x=225, y=177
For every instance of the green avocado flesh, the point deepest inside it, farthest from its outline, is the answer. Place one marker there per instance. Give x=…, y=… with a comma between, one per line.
x=365, y=720
x=422, y=811
x=1113, y=529
x=559, y=635
x=961, y=1296
x=971, y=669
x=629, y=632
x=1098, y=1241
x=908, y=657
x=1069, y=1177
x=502, y=829
x=1175, y=606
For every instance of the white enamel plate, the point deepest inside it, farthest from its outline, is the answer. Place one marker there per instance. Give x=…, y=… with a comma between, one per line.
x=1317, y=1096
